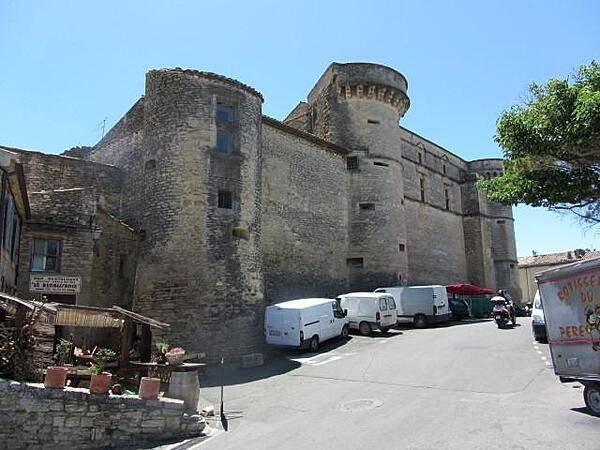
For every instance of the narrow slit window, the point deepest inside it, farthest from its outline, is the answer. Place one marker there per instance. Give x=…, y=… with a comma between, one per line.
x=444, y=169
x=401, y=247
x=447, y=198
x=367, y=206
x=225, y=200
x=499, y=222
x=420, y=157
x=422, y=188
x=373, y=121
x=356, y=263
x=382, y=164
x=352, y=162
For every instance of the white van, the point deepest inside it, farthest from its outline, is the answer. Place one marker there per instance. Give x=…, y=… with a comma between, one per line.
x=538, y=321
x=420, y=305
x=305, y=323
x=368, y=311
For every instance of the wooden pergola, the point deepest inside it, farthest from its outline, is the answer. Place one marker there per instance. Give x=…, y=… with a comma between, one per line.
x=60, y=314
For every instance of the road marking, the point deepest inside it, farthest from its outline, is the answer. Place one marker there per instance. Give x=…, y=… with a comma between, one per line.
x=544, y=358
x=333, y=358
x=320, y=359
x=539, y=352
x=536, y=347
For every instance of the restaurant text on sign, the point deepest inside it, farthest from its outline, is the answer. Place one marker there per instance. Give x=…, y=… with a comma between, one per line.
x=54, y=284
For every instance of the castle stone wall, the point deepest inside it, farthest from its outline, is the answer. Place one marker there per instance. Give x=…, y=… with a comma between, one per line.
x=193, y=271
x=305, y=220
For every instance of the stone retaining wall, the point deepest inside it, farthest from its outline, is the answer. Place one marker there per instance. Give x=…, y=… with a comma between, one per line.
x=32, y=416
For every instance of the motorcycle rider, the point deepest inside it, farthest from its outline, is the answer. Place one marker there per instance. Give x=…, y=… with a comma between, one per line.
x=504, y=296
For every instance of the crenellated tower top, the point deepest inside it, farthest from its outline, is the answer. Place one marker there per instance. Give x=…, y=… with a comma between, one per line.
x=364, y=81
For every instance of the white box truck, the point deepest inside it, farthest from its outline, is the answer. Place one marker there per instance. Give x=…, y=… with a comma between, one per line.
x=571, y=299
x=368, y=311
x=421, y=305
x=304, y=323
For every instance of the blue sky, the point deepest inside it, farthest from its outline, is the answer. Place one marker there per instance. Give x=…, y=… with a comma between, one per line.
x=67, y=66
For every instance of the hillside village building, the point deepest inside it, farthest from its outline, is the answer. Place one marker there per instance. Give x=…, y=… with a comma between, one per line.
x=197, y=209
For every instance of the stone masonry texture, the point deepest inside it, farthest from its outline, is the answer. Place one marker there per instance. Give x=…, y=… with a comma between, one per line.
x=338, y=197
x=32, y=417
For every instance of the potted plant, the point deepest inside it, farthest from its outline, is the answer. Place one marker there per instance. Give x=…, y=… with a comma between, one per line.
x=175, y=356
x=56, y=376
x=100, y=380
x=160, y=357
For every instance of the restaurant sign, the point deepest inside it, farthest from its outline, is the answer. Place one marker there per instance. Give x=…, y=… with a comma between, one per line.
x=54, y=284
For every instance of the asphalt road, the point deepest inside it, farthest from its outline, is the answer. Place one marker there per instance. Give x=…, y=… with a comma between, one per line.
x=469, y=385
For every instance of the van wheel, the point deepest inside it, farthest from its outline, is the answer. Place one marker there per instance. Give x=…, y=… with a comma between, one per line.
x=591, y=396
x=313, y=346
x=420, y=321
x=364, y=328
x=344, y=332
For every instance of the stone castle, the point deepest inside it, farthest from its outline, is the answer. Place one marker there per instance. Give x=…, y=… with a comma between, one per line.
x=198, y=210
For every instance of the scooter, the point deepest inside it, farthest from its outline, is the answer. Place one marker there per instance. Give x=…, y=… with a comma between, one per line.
x=503, y=313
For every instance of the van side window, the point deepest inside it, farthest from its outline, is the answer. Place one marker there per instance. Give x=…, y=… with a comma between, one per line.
x=382, y=304
x=391, y=303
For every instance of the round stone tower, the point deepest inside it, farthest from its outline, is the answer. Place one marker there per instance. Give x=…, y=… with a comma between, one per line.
x=499, y=234
x=199, y=267
x=358, y=106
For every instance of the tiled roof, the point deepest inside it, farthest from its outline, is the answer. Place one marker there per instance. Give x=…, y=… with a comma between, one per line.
x=551, y=259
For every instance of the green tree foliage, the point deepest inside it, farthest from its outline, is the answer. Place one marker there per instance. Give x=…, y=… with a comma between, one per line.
x=551, y=146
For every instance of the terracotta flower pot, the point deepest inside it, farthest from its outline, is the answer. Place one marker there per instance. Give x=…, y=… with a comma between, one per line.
x=56, y=377
x=149, y=388
x=100, y=383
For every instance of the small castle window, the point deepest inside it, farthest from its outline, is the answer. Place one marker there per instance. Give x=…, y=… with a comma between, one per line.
x=500, y=221
x=352, y=163
x=224, y=141
x=225, y=129
x=444, y=168
x=367, y=206
x=225, y=200
x=447, y=198
x=401, y=247
x=356, y=263
x=150, y=165
x=224, y=113
x=373, y=121
x=422, y=188
x=420, y=157
x=381, y=164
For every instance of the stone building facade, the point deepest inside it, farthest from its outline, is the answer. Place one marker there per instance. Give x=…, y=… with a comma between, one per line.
x=231, y=210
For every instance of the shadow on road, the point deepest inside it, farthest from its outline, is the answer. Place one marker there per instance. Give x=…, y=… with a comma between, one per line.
x=454, y=323
x=584, y=410
x=233, y=374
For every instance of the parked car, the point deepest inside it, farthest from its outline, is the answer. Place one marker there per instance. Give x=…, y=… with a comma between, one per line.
x=421, y=305
x=368, y=311
x=305, y=323
x=459, y=308
x=538, y=322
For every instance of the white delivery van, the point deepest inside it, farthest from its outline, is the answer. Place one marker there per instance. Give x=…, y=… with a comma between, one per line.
x=368, y=311
x=305, y=323
x=420, y=305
